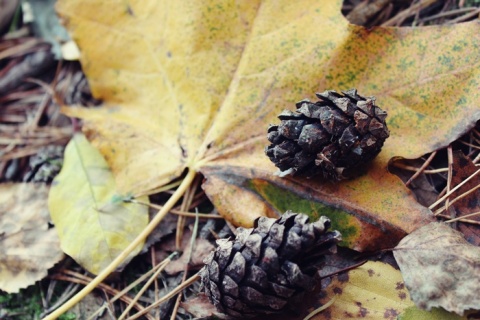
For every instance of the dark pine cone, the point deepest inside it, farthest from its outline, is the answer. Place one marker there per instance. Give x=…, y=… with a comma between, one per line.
x=332, y=136
x=268, y=268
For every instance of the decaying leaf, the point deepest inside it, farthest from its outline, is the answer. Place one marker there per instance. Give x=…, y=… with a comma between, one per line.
x=195, y=85
x=94, y=226
x=375, y=290
x=440, y=268
x=201, y=249
x=28, y=246
x=200, y=307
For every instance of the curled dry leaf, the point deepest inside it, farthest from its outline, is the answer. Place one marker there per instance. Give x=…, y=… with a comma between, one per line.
x=440, y=268
x=28, y=246
x=201, y=249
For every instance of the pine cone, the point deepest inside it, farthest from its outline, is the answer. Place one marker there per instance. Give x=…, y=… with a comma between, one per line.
x=269, y=267
x=333, y=136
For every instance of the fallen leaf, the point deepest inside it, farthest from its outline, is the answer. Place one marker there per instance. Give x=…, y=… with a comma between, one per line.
x=462, y=168
x=93, y=223
x=440, y=268
x=424, y=187
x=374, y=290
x=201, y=249
x=360, y=229
x=200, y=307
x=195, y=86
x=28, y=246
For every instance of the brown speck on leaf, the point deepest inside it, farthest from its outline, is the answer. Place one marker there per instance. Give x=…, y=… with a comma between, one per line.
x=362, y=312
x=402, y=295
x=390, y=314
x=327, y=314
x=370, y=272
x=400, y=286
x=337, y=290
x=348, y=315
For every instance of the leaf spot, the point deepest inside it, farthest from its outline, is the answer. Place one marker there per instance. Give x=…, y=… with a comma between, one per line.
x=390, y=314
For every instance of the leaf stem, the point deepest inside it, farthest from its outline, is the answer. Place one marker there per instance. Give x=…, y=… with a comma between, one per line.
x=122, y=256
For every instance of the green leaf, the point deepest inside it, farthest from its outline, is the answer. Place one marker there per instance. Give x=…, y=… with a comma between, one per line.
x=413, y=313
x=93, y=226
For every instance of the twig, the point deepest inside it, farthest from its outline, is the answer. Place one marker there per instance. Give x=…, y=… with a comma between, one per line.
x=463, y=195
x=156, y=294
x=453, y=190
x=421, y=169
x=178, y=212
x=464, y=17
x=412, y=168
x=348, y=268
x=185, y=272
x=142, y=290
x=408, y=12
x=450, y=176
x=168, y=296
x=320, y=309
x=66, y=294
x=446, y=14
x=101, y=286
x=464, y=217
x=134, y=284
x=187, y=200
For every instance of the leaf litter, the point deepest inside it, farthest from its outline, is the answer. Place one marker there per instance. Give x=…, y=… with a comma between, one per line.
x=440, y=268
x=216, y=143
x=447, y=181
x=29, y=245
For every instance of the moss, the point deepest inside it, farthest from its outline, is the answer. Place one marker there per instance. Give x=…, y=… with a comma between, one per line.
x=283, y=200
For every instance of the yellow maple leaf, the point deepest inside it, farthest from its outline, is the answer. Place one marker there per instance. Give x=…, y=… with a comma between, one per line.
x=195, y=85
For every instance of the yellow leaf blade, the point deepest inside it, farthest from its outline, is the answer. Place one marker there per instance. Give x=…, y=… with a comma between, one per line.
x=92, y=225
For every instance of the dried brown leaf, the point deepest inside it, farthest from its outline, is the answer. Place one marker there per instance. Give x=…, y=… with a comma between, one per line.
x=201, y=308
x=440, y=268
x=28, y=246
x=201, y=249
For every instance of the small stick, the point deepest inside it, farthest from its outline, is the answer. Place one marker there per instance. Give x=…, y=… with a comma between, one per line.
x=463, y=195
x=453, y=190
x=450, y=176
x=320, y=309
x=422, y=168
x=168, y=296
x=464, y=217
